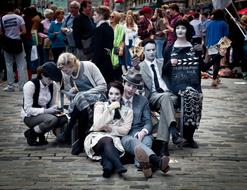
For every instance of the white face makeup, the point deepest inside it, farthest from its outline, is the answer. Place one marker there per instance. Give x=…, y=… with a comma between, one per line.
x=150, y=51
x=181, y=31
x=114, y=94
x=129, y=90
x=97, y=17
x=46, y=80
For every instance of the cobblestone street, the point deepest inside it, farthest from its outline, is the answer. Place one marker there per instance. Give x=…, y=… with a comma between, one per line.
x=220, y=163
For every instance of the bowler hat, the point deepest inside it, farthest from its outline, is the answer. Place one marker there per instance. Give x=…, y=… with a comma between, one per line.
x=50, y=70
x=133, y=76
x=146, y=9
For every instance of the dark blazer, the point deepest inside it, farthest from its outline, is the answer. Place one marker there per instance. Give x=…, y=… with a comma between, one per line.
x=83, y=28
x=141, y=115
x=103, y=40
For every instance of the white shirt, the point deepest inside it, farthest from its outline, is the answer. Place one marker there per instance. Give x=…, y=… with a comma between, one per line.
x=196, y=23
x=12, y=25
x=44, y=98
x=161, y=81
x=128, y=102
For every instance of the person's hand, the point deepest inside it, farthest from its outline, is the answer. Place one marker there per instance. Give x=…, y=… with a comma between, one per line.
x=140, y=135
x=52, y=110
x=106, y=129
x=174, y=62
x=114, y=105
x=222, y=51
x=64, y=30
x=150, y=27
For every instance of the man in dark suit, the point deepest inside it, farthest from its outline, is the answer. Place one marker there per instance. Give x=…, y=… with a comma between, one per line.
x=160, y=98
x=139, y=140
x=83, y=29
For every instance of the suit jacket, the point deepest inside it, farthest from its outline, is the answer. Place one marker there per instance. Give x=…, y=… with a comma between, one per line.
x=141, y=115
x=147, y=76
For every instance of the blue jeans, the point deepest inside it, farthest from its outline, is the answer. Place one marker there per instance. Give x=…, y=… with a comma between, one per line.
x=159, y=48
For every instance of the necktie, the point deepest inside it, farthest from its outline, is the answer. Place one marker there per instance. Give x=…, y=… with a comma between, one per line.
x=156, y=81
x=128, y=103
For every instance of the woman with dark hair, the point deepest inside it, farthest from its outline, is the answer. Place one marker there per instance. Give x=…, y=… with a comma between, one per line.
x=215, y=30
x=39, y=104
x=102, y=42
x=182, y=74
x=112, y=120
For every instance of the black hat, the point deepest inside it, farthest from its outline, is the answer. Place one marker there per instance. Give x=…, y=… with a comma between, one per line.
x=50, y=70
x=133, y=76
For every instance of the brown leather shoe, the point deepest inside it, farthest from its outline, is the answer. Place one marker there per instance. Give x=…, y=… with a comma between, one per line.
x=143, y=159
x=164, y=164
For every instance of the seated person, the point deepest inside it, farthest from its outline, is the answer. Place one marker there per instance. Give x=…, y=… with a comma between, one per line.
x=139, y=140
x=112, y=120
x=39, y=107
x=160, y=98
x=182, y=74
x=85, y=85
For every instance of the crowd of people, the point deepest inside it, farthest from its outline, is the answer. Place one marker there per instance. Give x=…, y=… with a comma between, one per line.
x=114, y=93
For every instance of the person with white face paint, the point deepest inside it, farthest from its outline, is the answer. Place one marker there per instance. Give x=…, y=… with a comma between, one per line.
x=39, y=104
x=160, y=98
x=182, y=74
x=112, y=120
x=139, y=140
x=102, y=42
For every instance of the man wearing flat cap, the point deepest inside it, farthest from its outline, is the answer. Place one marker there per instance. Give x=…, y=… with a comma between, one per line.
x=146, y=29
x=139, y=140
x=39, y=104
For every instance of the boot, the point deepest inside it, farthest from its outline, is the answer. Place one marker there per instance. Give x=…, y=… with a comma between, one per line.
x=107, y=167
x=42, y=139
x=31, y=137
x=190, y=142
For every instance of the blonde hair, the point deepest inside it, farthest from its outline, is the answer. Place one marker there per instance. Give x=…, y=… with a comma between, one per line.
x=67, y=59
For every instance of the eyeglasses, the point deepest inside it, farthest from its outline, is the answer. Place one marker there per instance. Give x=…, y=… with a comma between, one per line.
x=112, y=16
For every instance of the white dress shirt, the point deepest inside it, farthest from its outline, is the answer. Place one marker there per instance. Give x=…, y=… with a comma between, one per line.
x=161, y=81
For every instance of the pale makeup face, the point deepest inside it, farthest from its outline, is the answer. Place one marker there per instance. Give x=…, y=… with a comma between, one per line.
x=46, y=80
x=150, y=51
x=129, y=90
x=181, y=31
x=97, y=17
x=114, y=94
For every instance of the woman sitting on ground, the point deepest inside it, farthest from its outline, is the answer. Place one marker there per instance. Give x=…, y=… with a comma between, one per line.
x=39, y=110
x=112, y=120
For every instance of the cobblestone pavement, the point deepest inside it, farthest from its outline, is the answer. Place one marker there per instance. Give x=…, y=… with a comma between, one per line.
x=220, y=163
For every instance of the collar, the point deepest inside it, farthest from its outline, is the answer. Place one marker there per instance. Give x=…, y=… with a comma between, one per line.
x=126, y=100
x=149, y=62
x=101, y=22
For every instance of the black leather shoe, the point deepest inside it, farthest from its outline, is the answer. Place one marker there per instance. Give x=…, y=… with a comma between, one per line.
x=31, y=137
x=121, y=170
x=178, y=141
x=191, y=144
x=106, y=173
x=42, y=140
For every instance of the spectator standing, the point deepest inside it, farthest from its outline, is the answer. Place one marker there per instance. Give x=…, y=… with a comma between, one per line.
x=13, y=27
x=56, y=36
x=102, y=42
x=67, y=27
x=216, y=29
x=83, y=29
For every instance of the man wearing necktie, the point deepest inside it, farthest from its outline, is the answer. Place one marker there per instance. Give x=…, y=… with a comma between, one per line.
x=139, y=140
x=160, y=98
